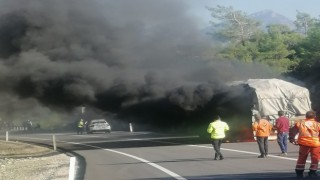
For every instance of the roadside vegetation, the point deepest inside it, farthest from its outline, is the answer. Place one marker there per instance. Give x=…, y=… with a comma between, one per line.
x=289, y=52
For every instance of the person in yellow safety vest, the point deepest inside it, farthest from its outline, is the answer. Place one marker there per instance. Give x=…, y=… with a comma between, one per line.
x=80, y=127
x=217, y=129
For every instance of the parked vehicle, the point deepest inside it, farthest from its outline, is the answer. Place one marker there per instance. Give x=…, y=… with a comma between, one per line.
x=98, y=125
x=265, y=97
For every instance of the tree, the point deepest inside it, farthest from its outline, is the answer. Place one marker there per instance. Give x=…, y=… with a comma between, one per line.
x=304, y=22
x=245, y=41
x=233, y=25
x=308, y=68
x=242, y=53
x=308, y=51
x=276, y=47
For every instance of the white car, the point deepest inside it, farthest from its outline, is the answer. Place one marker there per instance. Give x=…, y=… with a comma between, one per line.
x=98, y=125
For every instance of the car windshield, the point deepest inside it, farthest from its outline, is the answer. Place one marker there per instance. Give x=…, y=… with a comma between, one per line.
x=99, y=122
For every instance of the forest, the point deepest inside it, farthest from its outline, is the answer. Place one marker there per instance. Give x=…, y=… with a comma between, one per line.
x=290, y=52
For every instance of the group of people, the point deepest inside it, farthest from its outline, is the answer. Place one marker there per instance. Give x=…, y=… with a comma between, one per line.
x=262, y=127
x=308, y=131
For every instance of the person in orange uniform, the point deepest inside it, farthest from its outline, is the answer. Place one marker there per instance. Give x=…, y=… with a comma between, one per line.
x=262, y=127
x=308, y=141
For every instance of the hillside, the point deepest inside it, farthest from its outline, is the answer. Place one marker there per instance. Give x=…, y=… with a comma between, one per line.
x=268, y=17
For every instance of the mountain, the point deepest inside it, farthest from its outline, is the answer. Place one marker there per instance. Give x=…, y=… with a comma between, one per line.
x=268, y=17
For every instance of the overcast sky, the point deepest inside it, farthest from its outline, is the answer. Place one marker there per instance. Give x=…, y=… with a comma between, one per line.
x=287, y=8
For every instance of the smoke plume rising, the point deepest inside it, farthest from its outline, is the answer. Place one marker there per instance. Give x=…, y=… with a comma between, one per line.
x=144, y=60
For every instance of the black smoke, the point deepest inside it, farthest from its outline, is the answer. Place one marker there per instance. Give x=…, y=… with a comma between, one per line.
x=146, y=61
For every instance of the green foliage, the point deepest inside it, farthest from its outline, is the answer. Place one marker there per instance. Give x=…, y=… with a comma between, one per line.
x=309, y=54
x=233, y=25
x=244, y=41
x=304, y=22
x=293, y=53
x=277, y=46
x=308, y=68
x=274, y=48
x=239, y=52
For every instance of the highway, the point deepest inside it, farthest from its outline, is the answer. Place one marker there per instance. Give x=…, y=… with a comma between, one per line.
x=152, y=156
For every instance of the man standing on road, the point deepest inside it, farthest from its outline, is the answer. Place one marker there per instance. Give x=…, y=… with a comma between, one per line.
x=80, y=126
x=308, y=141
x=282, y=127
x=262, y=127
x=217, y=130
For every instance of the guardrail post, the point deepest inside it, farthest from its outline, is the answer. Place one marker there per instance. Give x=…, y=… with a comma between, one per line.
x=130, y=126
x=7, y=136
x=54, y=142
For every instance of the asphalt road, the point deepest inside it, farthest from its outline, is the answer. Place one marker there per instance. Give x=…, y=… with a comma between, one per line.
x=151, y=156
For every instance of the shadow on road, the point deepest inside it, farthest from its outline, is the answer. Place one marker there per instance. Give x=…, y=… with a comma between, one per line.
x=258, y=176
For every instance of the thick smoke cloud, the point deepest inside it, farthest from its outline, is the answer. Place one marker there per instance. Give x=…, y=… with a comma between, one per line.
x=119, y=56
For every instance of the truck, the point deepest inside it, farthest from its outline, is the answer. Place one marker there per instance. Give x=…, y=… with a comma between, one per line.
x=265, y=97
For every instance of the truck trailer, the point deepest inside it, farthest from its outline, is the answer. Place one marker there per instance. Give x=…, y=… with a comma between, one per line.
x=265, y=97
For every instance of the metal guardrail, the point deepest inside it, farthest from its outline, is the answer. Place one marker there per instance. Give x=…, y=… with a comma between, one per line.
x=18, y=128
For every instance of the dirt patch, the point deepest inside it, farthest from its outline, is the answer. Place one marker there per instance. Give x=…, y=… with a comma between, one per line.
x=20, y=149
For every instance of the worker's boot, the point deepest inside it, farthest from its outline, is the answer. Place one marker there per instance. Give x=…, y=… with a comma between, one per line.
x=216, y=156
x=299, y=173
x=221, y=157
x=312, y=173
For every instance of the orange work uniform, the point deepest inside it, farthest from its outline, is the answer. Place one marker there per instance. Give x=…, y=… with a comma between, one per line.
x=262, y=128
x=308, y=141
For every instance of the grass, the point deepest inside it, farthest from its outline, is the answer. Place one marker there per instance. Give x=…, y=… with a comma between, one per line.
x=20, y=149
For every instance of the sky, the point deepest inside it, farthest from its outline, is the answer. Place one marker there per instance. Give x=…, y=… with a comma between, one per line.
x=287, y=8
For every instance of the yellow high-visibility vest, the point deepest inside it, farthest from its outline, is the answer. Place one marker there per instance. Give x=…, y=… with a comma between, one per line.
x=217, y=129
x=80, y=124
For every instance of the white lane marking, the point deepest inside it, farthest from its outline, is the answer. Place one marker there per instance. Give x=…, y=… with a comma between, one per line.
x=102, y=134
x=87, y=136
x=172, y=174
x=164, y=142
x=248, y=152
x=150, y=139
x=120, y=140
x=72, y=168
x=167, y=171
